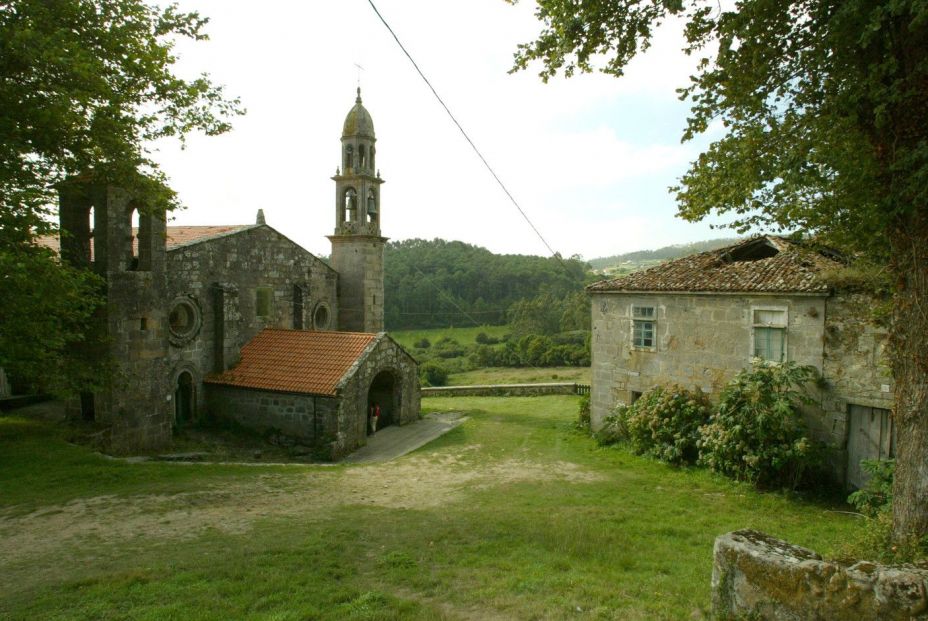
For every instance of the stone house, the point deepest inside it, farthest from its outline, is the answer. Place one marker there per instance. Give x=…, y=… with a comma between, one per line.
x=698, y=320
x=184, y=304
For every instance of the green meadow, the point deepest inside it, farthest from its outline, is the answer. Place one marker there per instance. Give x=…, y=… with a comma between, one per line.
x=512, y=515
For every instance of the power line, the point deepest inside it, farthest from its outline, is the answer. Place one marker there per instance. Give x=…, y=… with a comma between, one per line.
x=466, y=137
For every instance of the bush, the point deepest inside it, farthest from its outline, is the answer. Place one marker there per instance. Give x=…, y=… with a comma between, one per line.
x=757, y=433
x=583, y=415
x=423, y=343
x=877, y=494
x=665, y=422
x=483, y=339
x=613, y=430
x=446, y=347
x=433, y=373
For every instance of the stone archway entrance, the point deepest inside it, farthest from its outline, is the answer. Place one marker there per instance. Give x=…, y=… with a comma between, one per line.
x=183, y=399
x=384, y=392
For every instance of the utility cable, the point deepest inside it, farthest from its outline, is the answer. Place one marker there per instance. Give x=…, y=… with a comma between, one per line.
x=557, y=255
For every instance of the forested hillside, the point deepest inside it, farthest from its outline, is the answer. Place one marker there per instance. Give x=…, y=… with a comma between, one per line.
x=440, y=283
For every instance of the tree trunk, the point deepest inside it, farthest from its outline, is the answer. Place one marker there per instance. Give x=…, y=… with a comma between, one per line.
x=909, y=358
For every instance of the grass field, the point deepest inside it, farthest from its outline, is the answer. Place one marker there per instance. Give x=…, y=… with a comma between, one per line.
x=512, y=515
x=464, y=336
x=507, y=375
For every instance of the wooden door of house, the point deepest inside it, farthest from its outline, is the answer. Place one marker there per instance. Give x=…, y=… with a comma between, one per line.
x=871, y=436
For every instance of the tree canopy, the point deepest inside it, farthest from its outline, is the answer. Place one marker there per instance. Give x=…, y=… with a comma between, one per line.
x=85, y=87
x=438, y=283
x=825, y=130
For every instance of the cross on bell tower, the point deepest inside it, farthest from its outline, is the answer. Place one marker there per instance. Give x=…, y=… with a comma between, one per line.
x=357, y=246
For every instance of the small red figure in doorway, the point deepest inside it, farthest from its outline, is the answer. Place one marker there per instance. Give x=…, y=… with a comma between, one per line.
x=375, y=416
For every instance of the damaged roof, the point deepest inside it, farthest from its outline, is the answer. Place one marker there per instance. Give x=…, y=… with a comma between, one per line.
x=766, y=264
x=300, y=361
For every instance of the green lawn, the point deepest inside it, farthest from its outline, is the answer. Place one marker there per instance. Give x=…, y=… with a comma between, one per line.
x=464, y=336
x=508, y=375
x=512, y=515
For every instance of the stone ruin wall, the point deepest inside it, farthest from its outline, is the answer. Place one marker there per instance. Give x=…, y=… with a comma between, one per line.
x=755, y=576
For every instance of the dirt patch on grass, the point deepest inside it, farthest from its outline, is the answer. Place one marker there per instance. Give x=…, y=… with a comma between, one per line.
x=414, y=482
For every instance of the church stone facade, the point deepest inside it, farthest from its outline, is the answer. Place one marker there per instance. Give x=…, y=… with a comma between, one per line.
x=183, y=302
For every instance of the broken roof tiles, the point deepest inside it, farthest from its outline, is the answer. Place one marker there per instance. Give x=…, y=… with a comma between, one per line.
x=765, y=264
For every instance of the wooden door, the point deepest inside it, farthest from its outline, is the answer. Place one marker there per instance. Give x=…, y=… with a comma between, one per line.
x=871, y=436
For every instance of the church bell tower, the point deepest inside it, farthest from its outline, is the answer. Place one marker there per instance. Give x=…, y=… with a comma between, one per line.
x=357, y=246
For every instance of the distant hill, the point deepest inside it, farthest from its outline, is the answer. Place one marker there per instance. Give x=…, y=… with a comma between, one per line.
x=437, y=283
x=632, y=261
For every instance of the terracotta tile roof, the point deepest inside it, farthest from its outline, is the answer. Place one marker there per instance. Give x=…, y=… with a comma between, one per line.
x=177, y=236
x=303, y=361
x=765, y=264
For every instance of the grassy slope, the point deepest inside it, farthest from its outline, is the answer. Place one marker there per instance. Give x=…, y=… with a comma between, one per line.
x=630, y=538
x=464, y=336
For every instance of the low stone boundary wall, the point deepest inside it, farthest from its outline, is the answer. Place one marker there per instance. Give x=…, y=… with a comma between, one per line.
x=505, y=390
x=758, y=577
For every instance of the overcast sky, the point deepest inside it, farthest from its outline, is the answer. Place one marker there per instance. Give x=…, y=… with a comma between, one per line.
x=589, y=158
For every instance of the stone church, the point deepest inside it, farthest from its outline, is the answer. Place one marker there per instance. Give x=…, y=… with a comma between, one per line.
x=240, y=321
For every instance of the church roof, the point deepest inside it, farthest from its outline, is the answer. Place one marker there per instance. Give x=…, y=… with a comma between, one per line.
x=177, y=236
x=300, y=361
x=359, y=121
x=766, y=264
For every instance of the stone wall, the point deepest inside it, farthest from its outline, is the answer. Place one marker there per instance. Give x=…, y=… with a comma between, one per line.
x=383, y=356
x=308, y=419
x=758, y=577
x=702, y=341
x=501, y=390
x=855, y=369
x=220, y=278
x=358, y=259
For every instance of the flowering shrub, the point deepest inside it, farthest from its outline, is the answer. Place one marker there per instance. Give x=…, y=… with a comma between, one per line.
x=756, y=433
x=664, y=423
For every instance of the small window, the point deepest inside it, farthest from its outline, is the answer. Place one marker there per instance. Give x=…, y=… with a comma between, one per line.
x=644, y=327
x=321, y=317
x=143, y=324
x=769, y=334
x=264, y=301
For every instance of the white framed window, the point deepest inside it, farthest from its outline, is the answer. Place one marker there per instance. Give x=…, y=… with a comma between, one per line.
x=768, y=333
x=644, y=327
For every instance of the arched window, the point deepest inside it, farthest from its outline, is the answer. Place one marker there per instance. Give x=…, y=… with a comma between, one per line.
x=361, y=154
x=371, y=206
x=372, y=166
x=140, y=240
x=349, y=158
x=351, y=205
x=133, y=239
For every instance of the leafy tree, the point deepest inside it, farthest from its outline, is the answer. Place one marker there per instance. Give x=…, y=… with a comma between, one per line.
x=826, y=131
x=85, y=85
